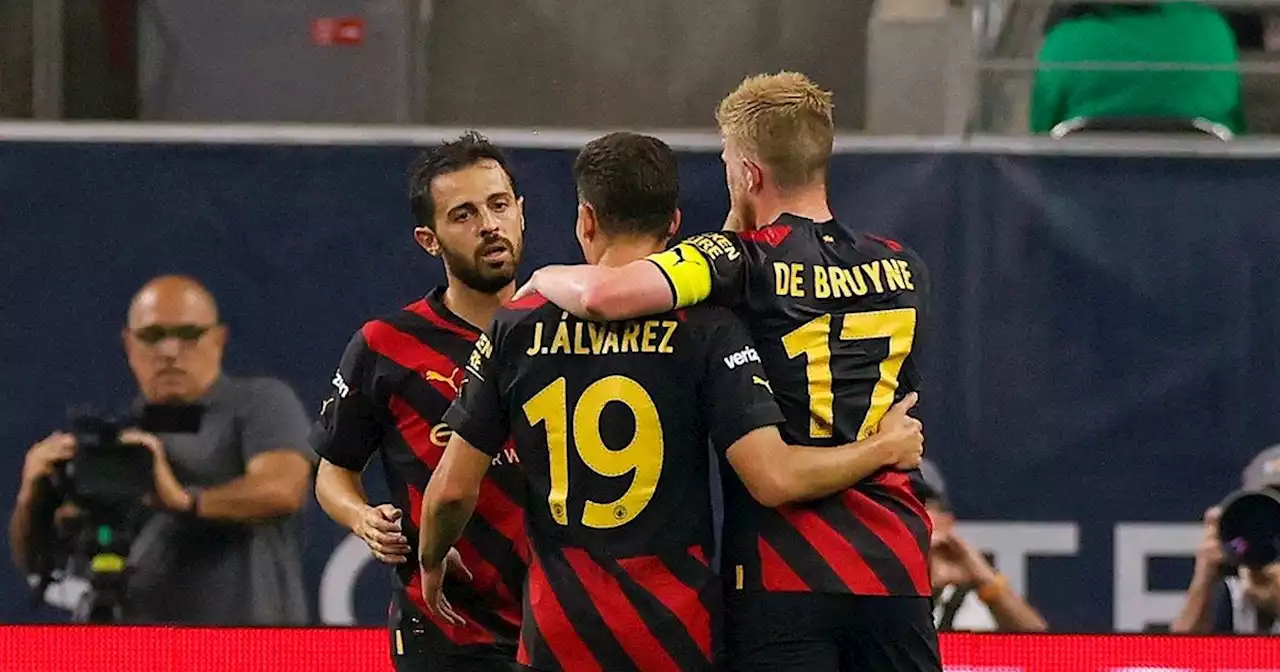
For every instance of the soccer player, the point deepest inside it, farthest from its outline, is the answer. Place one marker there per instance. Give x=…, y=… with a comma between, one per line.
x=840, y=583
x=611, y=424
x=397, y=377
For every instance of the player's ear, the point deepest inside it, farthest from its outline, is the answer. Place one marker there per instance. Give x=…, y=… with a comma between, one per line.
x=520, y=210
x=587, y=223
x=754, y=174
x=427, y=240
x=675, y=225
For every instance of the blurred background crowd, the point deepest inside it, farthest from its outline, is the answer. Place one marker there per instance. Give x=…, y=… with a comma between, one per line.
x=1100, y=372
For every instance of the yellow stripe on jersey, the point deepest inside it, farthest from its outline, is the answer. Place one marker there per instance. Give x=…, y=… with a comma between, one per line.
x=688, y=271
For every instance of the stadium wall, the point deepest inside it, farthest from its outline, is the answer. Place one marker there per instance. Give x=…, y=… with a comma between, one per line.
x=1100, y=357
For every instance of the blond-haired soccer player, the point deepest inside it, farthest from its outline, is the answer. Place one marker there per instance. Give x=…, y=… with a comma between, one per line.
x=840, y=583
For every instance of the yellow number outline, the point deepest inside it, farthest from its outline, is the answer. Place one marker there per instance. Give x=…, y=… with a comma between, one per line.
x=813, y=341
x=642, y=456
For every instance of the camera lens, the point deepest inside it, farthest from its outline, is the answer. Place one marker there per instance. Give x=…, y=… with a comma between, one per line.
x=1250, y=527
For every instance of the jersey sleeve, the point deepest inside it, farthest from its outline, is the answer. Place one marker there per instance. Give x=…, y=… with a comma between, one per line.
x=737, y=396
x=706, y=266
x=350, y=427
x=479, y=414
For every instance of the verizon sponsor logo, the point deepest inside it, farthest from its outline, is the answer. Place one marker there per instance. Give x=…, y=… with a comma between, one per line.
x=741, y=357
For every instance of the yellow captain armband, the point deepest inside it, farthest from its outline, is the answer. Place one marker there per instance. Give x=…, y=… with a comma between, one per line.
x=688, y=271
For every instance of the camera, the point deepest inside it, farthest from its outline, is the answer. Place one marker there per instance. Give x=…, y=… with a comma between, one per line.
x=1250, y=527
x=107, y=477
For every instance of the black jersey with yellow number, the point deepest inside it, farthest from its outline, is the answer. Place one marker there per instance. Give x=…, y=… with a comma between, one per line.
x=611, y=423
x=834, y=314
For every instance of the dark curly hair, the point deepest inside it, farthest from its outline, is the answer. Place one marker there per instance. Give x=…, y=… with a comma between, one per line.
x=469, y=149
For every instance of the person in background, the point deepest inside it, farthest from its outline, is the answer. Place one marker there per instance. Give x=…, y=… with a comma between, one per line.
x=221, y=546
x=968, y=593
x=1244, y=601
x=1178, y=32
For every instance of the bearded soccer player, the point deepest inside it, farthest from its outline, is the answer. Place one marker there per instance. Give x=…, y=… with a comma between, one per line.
x=611, y=424
x=840, y=583
x=397, y=377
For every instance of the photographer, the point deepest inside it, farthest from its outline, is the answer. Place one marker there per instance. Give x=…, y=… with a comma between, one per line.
x=218, y=544
x=1245, y=600
x=968, y=593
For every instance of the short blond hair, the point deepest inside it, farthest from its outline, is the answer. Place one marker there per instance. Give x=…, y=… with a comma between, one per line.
x=784, y=121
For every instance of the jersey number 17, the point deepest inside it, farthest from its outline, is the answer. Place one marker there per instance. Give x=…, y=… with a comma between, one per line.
x=813, y=341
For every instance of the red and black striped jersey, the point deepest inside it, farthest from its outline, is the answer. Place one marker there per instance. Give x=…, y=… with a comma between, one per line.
x=397, y=378
x=834, y=313
x=611, y=423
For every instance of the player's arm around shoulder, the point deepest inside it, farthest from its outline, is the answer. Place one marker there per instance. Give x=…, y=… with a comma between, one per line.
x=778, y=473
x=688, y=273
x=744, y=417
x=603, y=293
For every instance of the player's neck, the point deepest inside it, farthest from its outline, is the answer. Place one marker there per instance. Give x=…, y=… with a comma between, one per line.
x=474, y=306
x=626, y=250
x=807, y=202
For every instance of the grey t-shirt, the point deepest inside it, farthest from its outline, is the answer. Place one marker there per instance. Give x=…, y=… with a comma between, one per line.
x=203, y=572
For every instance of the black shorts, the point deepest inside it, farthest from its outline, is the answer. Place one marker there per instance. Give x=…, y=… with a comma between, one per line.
x=416, y=647
x=817, y=632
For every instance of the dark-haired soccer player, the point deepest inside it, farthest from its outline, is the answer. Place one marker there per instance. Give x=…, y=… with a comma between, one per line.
x=397, y=377
x=841, y=583
x=611, y=423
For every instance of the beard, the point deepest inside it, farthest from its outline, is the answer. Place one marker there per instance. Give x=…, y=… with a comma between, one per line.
x=742, y=215
x=476, y=273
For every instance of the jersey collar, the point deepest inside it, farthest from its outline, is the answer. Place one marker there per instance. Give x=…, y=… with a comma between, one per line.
x=796, y=220
x=435, y=301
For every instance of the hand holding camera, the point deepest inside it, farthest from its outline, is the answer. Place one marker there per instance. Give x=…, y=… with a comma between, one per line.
x=1209, y=554
x=41, y=458
x=169, y=493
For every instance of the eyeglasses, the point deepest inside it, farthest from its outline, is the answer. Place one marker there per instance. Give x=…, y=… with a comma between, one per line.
x=187, y=333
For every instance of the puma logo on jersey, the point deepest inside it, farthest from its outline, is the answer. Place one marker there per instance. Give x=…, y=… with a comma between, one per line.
x=453, y=380
x=747, y=354
x=763, y=383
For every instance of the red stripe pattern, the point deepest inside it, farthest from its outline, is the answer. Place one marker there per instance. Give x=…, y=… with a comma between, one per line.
x=628, y=628
x=494, y=506
x=851, y=567
x=652, y=574
x=869, y=540
x=775, y=574
x=423, y=309
x=423, y=342
x=894, y=533
x=554, y=625
x=414, y=355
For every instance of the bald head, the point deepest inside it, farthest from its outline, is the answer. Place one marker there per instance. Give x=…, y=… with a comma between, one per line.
x=173, y=339
x=179, y=297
